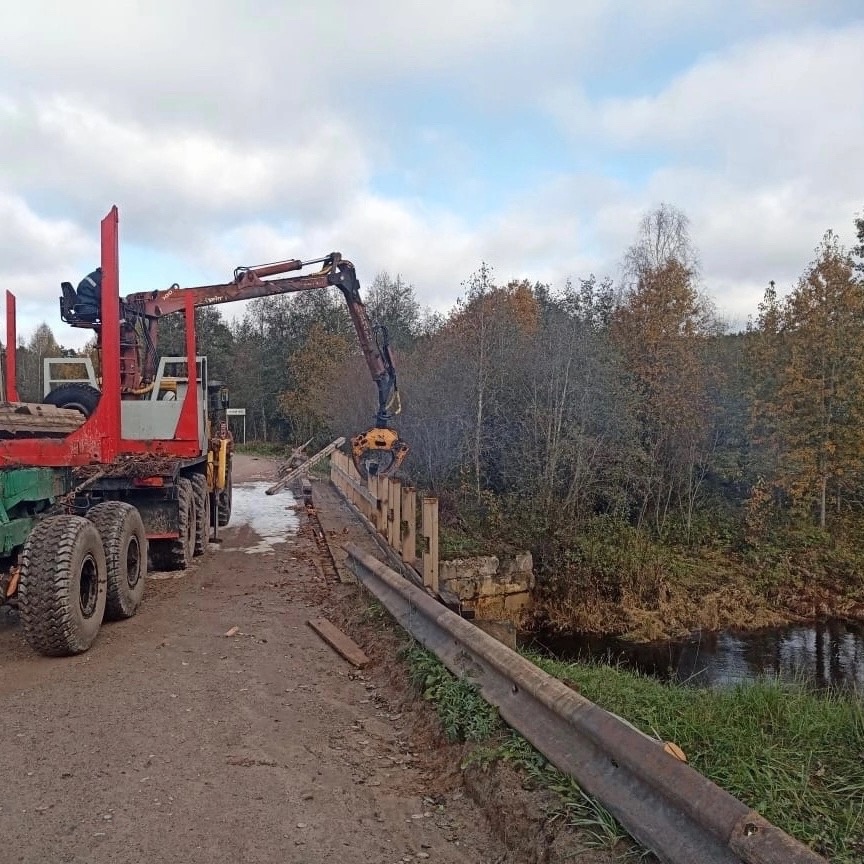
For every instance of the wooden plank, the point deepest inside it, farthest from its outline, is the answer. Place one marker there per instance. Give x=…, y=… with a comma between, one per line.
x=292, y=475
x=394, y=516
x=36, y=422
x=409, y=524
x=339, y=642
x=372, y=484
x=27, y=419
x=40, y=412
x=430, y=543
x=51, y=432
x=354, y=492
x=353, y=483
x=383, y=504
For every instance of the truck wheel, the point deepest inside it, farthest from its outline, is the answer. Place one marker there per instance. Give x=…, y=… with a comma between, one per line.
x=125, y=542
x=201, y=493
x=223, y=511
x=77, y=397
x=63, y=588
x=179, y=552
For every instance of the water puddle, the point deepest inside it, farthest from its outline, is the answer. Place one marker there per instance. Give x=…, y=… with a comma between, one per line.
x=271, y=517
x=826, y=654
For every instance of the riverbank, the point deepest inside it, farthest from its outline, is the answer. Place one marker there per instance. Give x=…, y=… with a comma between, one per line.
x=645, y=591
x=822, y=655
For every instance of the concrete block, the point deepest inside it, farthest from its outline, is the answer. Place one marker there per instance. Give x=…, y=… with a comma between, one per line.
x=489, y=608
x=516, y=604
x=483, y=565
x=465, y=587
x=503, y=631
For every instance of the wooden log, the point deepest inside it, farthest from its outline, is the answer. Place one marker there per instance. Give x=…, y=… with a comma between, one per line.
x=409, y=524
x=292, y=475
x=341, y=643
x=429, y=515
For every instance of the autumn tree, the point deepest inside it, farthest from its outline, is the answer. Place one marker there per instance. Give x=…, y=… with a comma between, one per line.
x=858, y=249
x=819, y=405
x=491, y=325
x=577, y=434
x=661, y=328
x=272, y=330
x=313, y=369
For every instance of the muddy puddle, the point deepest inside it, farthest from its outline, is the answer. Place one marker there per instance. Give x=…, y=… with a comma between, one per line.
x=271, y=518
x=827, y=654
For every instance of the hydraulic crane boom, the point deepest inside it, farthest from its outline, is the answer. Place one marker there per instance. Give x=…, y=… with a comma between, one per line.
x=376, y=451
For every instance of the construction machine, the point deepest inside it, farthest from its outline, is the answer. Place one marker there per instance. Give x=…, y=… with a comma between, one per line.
x=378, y=450
x=130, y=469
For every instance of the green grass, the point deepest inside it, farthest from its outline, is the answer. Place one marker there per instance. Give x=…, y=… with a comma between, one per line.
x=458, y=543
x=466, y=716
x=795, y=756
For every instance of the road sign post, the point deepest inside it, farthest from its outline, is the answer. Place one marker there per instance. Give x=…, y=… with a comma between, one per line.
x=238, y=412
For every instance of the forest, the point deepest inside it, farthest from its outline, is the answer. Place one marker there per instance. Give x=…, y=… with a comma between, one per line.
x=665, y=471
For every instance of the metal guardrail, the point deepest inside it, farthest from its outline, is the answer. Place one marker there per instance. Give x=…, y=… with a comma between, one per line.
x=669, y=807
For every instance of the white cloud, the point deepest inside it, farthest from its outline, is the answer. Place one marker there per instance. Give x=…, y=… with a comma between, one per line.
x=238, y=133
x=758, y=144
x=33, y=250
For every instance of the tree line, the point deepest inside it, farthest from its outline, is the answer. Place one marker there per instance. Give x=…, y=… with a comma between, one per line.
x=546, y=411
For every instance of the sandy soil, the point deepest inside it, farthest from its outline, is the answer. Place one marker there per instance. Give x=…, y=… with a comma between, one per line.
x=169, y=741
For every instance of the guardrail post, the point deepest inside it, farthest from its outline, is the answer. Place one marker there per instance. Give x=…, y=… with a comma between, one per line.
x=394, y=515
x=372, y=484
x=354, y=485
x=383, y=504
x=408, y=527
x=430, y=543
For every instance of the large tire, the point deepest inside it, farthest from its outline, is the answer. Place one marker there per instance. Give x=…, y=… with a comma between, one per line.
x=201, y=493
x=63, y=588
x=225, y=497
x=177, y=554
x=125, y=543
x=78, y=397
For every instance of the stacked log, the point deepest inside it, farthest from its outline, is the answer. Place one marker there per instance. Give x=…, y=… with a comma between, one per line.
x=31, y=420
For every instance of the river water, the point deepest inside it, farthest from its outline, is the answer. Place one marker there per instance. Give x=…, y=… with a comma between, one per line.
x=826, y=654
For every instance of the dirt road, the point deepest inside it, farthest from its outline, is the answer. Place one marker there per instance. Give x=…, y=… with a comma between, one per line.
x=172, y=742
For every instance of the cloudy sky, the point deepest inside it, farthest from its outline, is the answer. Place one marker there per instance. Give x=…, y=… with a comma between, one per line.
x=424, y=137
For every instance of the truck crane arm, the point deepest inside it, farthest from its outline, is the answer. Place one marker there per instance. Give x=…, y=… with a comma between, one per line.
x=379, y=450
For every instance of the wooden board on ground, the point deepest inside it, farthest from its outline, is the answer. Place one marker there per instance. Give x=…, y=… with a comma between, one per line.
x=337, y=640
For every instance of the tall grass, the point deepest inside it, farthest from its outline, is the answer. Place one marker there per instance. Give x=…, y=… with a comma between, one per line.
x=466, y=716
x=795, y=756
